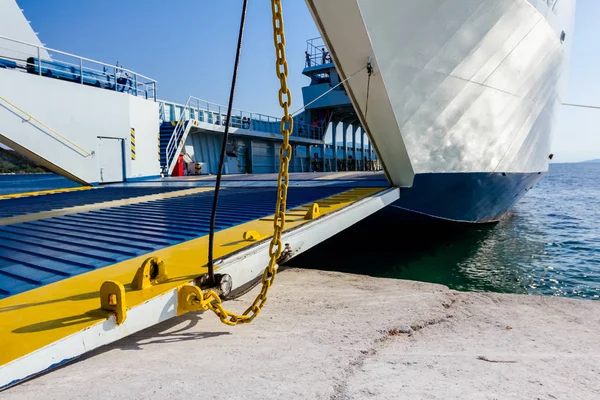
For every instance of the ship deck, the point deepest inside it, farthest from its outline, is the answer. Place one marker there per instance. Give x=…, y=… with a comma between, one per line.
x=58, y=247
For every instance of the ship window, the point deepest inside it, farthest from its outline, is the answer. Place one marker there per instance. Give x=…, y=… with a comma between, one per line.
x=563, y=36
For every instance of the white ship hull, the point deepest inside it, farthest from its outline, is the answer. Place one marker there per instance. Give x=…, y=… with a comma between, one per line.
x=459, y=87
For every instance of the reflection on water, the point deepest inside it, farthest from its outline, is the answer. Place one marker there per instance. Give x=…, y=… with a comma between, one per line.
x=549, y=244
x=462, y=258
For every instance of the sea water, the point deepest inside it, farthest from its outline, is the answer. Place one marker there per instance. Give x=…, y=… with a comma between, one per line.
x=549, y=244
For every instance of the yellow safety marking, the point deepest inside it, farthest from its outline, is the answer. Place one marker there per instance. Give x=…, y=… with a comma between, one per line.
x=336, y=175
x=158, y=146
x=199, y=178
x=97, y=206
x=34, y=319
x=132, y=134
x=44, y=192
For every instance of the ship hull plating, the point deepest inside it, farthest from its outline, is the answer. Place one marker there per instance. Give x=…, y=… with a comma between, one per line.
x=463, y=93
x=462, y=197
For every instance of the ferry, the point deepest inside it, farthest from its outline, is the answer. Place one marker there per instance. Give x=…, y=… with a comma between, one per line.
x=438, y=110
x=459, y=97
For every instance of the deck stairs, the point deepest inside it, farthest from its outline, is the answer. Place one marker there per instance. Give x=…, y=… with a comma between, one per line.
x=172, y=136
x=177, y=121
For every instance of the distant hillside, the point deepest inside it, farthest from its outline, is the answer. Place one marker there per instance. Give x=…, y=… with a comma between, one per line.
x=596, y=161
x=13, y=162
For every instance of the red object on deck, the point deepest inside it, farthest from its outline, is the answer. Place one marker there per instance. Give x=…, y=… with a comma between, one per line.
x=178, y=170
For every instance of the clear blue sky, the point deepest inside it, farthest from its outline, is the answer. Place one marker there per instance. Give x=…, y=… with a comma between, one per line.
x=188, y=46
x=577, y=134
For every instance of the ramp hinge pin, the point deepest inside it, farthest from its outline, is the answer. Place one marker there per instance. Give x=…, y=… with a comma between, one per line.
x=112, y=298
x=152, y=272
x=313, y=212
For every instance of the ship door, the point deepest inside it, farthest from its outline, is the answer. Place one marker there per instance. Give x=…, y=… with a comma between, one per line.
x=232, y=159
x=111, y=159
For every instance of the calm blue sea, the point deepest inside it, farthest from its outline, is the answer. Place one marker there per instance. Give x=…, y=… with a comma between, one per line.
x=549, y=244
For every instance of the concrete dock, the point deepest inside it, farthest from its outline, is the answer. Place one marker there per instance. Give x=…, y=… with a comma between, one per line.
x=325, y=335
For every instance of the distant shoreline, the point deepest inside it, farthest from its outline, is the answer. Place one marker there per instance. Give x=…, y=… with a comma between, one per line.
x=576, y=162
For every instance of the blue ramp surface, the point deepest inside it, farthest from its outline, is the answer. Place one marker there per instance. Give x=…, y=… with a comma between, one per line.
x=36, y=253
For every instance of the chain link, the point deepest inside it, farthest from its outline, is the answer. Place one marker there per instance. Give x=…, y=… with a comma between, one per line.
x=210, y=299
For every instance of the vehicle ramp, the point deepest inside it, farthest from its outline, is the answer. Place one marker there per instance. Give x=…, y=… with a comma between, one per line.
x=58, y=249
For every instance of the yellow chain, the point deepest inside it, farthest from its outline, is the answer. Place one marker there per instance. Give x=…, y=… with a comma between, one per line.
x=210, y=299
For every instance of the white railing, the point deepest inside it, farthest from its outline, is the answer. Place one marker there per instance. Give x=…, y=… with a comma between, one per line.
x=316, y=53
x=176, y=140
x=65, y=66
x=216, y=114
x=161, y=111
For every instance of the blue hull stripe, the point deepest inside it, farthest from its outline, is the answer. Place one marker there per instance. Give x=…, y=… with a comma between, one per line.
x=466, y=197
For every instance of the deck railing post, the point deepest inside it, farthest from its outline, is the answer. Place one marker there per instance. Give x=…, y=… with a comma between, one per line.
x=354, y=130
x=362, y=148
x=334, y=126
x=345, y=141
x=39, y=62
x=324, y=155
x=81, y=71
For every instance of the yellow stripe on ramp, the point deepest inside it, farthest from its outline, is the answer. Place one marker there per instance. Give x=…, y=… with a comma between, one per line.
x=97, y=206
x=44, y=192
x=39, y=317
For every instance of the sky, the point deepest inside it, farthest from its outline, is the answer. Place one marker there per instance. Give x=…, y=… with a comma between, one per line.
x=188, y=46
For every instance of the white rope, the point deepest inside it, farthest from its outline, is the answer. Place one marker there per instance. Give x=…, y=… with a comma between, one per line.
x=329, y=91
x=581, y=106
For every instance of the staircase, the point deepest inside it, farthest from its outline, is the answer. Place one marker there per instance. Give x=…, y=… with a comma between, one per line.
x=166, y=132
x=172, y=139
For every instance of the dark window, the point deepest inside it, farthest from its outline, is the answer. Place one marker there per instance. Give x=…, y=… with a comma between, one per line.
x=563, y=36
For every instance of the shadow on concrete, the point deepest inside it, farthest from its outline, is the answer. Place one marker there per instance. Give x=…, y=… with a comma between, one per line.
x=158, y=334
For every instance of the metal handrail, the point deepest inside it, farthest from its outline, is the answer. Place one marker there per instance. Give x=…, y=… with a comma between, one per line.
x=31, y=117
x=217, y=105
x=179, y=128
x=193, y=104
x=76, y=56
x=116, y=69
x=204, y=107
x=161, y=111
x=313, y=48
